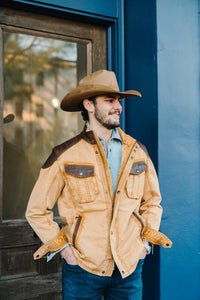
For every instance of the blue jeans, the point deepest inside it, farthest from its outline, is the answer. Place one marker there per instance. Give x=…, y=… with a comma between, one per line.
x=79, y=284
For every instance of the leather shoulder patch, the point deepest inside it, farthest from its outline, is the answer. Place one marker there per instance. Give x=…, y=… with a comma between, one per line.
x=143, y=148
x=50, y=160
x=58, y=150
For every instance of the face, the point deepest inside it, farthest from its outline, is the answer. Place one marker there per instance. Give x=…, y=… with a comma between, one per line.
x=107, y=110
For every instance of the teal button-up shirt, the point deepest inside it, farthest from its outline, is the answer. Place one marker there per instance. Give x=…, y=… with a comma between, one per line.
x=114, y=154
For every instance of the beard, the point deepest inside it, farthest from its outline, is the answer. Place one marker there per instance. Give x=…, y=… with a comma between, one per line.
x=101, y=117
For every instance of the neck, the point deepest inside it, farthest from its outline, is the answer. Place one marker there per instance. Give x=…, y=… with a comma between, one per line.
x=101, y=131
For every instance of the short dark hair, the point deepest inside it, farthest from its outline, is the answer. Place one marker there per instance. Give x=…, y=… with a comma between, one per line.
x=84, y=111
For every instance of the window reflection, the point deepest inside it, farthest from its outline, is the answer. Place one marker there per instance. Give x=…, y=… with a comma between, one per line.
x=38, y=72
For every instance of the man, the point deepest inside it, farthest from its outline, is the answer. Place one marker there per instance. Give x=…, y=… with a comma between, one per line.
x=108, y=199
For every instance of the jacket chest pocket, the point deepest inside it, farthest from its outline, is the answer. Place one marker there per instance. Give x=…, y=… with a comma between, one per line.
x=82, y=182
x=135, y=181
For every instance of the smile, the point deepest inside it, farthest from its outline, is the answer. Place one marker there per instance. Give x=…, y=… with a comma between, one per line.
x=117, y=113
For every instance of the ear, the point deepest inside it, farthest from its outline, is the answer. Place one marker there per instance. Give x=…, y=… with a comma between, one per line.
x=88, y=105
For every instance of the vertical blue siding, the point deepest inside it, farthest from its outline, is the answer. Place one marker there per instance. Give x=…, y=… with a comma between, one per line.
x=179, y=146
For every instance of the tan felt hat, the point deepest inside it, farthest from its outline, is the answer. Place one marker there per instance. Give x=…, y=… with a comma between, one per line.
x=101, y=82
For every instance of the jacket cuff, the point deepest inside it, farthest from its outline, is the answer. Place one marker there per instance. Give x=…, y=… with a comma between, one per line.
x=157, y=238
x=54, y=245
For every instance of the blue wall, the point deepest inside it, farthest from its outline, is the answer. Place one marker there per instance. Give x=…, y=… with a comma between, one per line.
x=179, y=146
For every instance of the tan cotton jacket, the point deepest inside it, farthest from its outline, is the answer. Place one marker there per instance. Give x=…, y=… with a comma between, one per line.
x=101, y=228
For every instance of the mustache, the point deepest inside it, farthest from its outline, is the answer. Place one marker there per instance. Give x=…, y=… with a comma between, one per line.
x=114, y=112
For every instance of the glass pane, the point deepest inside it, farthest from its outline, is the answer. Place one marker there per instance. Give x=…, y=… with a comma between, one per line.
x=38, y=72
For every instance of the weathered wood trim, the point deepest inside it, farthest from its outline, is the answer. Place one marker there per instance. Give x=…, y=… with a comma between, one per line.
x=31, y=287
x=18, y=233
x=1, y=122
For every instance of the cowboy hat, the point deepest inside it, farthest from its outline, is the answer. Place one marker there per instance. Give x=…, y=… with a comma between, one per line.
x=101, y=82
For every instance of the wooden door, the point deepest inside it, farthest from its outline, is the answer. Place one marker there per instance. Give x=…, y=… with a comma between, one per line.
x=42, y=58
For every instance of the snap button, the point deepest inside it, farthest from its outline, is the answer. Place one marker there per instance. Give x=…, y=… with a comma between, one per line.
x=97, y=152
x=134, y=150
x=81, y=173
x=103, y=272
x=123, y=271
x=111, y=232
x=131, y=157
x=137, y=171
x=118, y=192
x=106, y=192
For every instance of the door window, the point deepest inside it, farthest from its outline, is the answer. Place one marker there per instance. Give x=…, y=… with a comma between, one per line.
x=38, y=72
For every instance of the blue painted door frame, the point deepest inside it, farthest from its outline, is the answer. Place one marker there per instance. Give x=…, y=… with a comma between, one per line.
x=142, y=114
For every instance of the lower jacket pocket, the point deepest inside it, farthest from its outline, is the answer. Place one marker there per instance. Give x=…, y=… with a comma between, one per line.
x=140, y=222
x=75, y=233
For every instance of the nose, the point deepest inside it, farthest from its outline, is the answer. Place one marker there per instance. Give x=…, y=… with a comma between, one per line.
x=117, y=105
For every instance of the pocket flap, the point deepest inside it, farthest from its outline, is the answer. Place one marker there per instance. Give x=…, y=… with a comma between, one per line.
x=138, y=167
x=79, y=170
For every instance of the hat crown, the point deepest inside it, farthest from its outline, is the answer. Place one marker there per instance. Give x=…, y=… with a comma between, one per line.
x=99, y=83
x=101, y=77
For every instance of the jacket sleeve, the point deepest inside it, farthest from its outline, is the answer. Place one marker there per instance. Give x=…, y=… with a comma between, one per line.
x=150, y=209
x=42, y=200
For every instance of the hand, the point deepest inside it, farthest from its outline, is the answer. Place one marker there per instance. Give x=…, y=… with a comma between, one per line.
x=69, y=256
x=143, y=254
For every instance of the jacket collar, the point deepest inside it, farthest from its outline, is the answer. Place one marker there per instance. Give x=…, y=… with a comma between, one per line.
x=90, y=136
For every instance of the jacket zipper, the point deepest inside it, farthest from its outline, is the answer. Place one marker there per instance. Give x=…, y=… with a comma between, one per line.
x=142, y=224
x=78, y=222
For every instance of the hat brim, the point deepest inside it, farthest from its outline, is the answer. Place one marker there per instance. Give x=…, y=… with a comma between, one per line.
x=73, y=100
